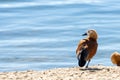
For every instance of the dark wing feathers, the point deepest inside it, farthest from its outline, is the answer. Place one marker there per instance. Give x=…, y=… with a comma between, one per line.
x=82, y=57
x=82, y=53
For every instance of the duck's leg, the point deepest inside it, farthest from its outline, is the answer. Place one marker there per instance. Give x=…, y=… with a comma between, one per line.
x=87, y=63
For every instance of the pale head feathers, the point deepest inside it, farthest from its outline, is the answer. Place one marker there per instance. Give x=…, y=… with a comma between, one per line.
x=92, y=34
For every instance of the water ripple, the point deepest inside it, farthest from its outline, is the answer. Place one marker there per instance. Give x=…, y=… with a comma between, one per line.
x=52, y=3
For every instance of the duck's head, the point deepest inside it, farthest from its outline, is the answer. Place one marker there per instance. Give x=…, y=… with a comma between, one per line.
x=91, y=34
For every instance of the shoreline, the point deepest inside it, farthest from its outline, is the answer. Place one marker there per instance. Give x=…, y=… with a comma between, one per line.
x=97, y=72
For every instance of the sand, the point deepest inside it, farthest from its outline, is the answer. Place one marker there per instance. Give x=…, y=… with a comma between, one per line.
x=74, y=73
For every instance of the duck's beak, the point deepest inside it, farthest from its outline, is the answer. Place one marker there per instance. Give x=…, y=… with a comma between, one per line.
x=84, y=34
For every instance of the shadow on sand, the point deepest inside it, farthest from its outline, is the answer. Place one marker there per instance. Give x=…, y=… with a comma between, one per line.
x=91, y=69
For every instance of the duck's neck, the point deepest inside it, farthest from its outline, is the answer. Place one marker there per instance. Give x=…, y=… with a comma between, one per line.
x=94, y=39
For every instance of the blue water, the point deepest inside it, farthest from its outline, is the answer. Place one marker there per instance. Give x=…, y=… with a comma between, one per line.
x=43, y=34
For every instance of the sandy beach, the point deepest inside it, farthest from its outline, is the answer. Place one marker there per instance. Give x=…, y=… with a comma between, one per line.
x=74, y=73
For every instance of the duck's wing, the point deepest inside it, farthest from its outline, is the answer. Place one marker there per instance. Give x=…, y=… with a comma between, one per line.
x=82, y=52
x=81, y=46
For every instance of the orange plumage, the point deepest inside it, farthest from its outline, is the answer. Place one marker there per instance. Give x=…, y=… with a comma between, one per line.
x=115, y=58
x=87, y=48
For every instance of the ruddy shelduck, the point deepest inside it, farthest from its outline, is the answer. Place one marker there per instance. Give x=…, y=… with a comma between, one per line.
x=115, y=58
x=87, y=48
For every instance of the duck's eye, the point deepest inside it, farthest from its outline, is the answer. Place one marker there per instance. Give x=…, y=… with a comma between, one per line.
x=88, y=31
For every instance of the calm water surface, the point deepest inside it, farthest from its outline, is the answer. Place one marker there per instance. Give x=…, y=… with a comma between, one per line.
x=43, y=34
